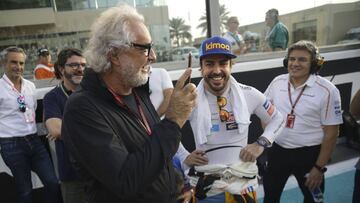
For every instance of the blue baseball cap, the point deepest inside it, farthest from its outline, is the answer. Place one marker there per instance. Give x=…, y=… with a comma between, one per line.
x=216, y=45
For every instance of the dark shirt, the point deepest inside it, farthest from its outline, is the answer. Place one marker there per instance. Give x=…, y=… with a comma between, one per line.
x=113, y=152
x=54, y=104
x=279, y=36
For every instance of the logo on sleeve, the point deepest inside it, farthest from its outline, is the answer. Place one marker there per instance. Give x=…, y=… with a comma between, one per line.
x=337, y=109
x=269, y=107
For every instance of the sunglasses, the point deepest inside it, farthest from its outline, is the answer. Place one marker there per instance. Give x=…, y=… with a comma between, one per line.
x=21, y=102
x=224, y=114
x=145, y=47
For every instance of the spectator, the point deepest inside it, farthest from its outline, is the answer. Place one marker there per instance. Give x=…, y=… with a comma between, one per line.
x=277, y=37
x=44, y=69
x=21, y=148
x=110, y=127
x=161, y=88
x=312, y=108
x=232, y=35
x=69, y=69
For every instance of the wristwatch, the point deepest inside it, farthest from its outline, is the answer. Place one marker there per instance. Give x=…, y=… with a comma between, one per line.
x=262, y=141
x=321, y=169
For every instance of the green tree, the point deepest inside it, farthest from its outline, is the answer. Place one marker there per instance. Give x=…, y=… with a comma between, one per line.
x=179, y=32
x=223, y=19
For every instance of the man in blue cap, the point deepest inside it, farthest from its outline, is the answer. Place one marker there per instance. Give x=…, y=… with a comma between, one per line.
x=220, y=124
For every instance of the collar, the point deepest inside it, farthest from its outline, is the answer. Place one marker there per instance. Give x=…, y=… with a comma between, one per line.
x=92, y=82
x=9, y=82
x=66, y=91
x=309, y=82
x=233, y=34
x=150, y=69
x=269, y=33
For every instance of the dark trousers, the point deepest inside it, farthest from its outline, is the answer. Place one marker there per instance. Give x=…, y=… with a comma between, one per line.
x=285, y=162
x=23, y=155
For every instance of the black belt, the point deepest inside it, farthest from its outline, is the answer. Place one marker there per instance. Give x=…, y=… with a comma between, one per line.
x=26, y=137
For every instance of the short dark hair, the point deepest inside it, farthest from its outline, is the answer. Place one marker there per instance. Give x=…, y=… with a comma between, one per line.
x=63, y=56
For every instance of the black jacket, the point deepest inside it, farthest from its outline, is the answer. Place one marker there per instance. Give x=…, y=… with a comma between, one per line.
x=113, y=153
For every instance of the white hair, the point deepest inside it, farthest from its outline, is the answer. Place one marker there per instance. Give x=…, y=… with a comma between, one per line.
x=110, y=30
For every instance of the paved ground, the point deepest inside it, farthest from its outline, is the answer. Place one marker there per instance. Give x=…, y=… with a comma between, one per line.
x=339, y=182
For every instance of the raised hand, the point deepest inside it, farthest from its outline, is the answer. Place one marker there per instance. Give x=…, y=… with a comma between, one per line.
x=182, y=100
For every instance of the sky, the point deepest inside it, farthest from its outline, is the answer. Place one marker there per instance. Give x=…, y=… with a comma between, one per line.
x=247, y=11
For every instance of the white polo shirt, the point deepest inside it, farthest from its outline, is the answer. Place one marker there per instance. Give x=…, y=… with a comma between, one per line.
x=12, y=121
x=319, y=105
x=228, y=132
x=159, y=81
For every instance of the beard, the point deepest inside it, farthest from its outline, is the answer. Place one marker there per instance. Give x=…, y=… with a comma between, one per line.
x=210, y=81
x=74, y=78
x=133, y=76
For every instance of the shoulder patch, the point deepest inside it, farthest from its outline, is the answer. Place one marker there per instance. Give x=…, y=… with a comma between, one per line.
x=269, y=107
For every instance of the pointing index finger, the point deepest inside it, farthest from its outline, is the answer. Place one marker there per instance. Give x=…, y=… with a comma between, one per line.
x=181, y=81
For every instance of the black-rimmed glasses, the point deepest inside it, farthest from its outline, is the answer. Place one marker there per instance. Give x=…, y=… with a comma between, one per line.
x=145, y=47
x=76, y=65
x=224, y=114
x=22, y=104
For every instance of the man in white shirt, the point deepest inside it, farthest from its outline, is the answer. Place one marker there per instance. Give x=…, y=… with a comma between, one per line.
x=21, y=148
x=312, y=108
x=234, y=37
x=220, y=123
x=161, y=88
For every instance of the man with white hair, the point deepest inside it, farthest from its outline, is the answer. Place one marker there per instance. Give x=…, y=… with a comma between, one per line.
x=111, y=129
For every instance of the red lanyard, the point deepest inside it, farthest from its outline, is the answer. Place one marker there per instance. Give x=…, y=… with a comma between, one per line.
x=297, y=99
x=142, y=120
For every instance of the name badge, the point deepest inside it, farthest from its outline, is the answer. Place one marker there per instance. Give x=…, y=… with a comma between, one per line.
x=29, y=115
x=290, y=120
x=231, y=126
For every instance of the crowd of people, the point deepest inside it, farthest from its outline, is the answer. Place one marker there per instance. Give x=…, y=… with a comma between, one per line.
x=274, y=38
x=116, y=121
